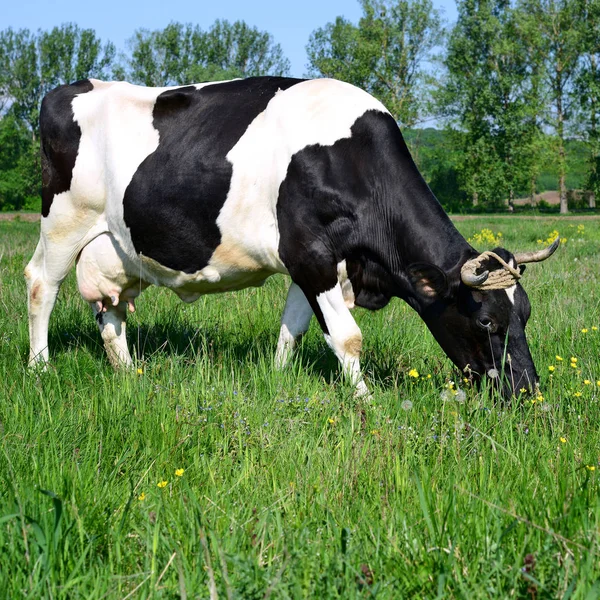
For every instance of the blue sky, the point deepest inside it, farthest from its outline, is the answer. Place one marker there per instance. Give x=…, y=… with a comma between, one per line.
x=290, y=23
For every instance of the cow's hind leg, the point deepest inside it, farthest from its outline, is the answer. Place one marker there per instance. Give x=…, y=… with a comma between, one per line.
x=61, y=240
x=111, y=321
x=44, y=274
x=294, y=323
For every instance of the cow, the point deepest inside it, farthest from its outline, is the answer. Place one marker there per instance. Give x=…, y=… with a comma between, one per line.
x=216, y=186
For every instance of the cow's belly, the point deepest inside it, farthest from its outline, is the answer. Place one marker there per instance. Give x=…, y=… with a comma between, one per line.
x=107, y=275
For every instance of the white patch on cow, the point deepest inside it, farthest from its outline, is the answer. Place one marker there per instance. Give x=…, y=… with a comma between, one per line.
x=117, y=134
x=344, y=337
x=294, y=322
x=345, y=284
x=510, y=292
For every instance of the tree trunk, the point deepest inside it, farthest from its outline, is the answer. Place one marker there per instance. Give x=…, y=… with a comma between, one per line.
x=592, y=200
x=511, y=200
x=475, y=198
x=562, y=169
x=532, y=191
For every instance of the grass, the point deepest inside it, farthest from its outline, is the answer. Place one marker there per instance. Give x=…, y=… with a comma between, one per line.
x=292, y=488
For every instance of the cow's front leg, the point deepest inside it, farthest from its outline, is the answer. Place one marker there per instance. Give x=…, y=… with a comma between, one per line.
x=111, y=321
x=342, y=334
x=294, y=323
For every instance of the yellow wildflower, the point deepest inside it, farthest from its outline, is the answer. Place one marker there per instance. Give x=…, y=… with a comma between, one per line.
x=331, y=421
x=551, y=237
x=594, y=328
x=179, y=472
x=374, y=432
x=162, y=484
x=523, y=390
x=563, y=440
x=558, y=357
x=413, y=373
x=486, y=236
x=587, y=381
x=577, y=394
x=590, y=467
x=140, y=371
x=584, y=330
x=573, y=359
x=142, y=497
x=551, y=368
x=428, y=375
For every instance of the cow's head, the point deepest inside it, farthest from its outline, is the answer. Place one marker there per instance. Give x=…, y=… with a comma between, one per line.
x=478, y=316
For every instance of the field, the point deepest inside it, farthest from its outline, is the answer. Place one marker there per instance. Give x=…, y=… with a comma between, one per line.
x=207, y=473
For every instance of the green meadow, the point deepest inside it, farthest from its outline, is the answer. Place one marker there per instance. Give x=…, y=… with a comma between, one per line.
x=207, y=473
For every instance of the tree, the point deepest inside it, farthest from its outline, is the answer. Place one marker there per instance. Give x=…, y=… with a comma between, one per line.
x=384, y=55
x=560, y=24
x=492, y=97
x=19, y=181
x=588, y=93
x=182, y=54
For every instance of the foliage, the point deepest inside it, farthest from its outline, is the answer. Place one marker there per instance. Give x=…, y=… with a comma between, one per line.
x=291, y=488
x=180, y=54
x=19, y=158
x=437, y=156
x=492, y=98
x=384, y=54
x=558, y=27
x=588, y=90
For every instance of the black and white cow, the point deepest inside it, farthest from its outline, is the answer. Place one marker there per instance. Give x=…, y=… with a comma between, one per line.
x=216, y=186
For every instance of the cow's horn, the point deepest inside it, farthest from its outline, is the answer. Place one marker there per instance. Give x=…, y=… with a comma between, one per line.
x=467, y=274
x=538, y=255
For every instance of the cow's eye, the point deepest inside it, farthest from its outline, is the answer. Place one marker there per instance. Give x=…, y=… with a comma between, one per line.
x=485, y=323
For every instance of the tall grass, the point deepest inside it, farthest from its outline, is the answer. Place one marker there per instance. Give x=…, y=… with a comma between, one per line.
x=290, y=487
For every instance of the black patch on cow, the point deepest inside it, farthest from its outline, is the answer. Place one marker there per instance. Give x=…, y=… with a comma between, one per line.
x=173, y=200
x=60, y=137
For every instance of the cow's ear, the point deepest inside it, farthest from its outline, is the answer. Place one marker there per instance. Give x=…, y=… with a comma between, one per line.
x=428, y=280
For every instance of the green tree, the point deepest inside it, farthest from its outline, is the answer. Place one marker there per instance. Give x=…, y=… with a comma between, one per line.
x=588, y=93
x=492, y=98
x=19, y=181
x=384, y=54
x=560, y=25
x=182, y=54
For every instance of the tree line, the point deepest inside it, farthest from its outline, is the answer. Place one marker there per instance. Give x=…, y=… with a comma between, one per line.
x=513, y=84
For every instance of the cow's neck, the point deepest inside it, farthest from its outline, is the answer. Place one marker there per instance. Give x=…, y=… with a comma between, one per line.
x=410, y=228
